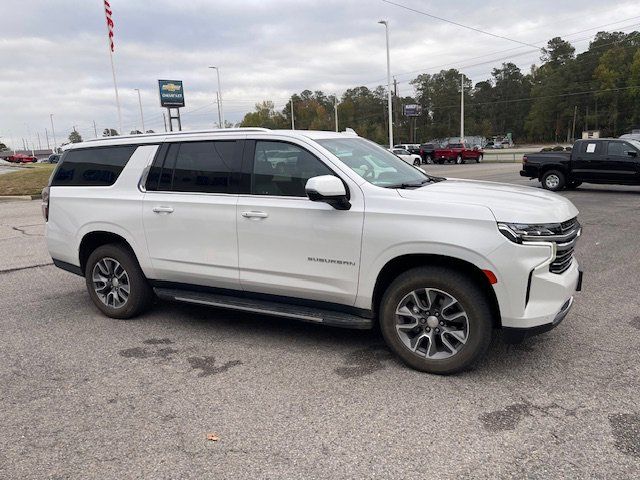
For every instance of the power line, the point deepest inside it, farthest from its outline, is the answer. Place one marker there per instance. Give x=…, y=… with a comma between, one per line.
x=460, y=24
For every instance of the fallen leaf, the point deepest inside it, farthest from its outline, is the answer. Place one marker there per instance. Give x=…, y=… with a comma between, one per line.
x=212, y=437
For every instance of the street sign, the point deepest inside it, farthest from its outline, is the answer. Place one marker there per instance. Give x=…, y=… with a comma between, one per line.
x=171, y=93
x=412, y=110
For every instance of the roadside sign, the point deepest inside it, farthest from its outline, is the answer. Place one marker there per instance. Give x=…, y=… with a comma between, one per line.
x=412, y=110
x=171, y=93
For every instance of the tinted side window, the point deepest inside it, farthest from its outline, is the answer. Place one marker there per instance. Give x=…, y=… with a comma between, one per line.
x=88, y=167
x=283, y=169
x=201, y=167
x=618, y=148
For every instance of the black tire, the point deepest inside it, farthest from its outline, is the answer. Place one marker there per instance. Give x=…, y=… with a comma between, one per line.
x=459, y=160
x=416, y=163
x=440, y=162
x=140, y=292
x=470, y=297
x=553, y=180
x=479, y=159
x=427, y=160
x=572, y=185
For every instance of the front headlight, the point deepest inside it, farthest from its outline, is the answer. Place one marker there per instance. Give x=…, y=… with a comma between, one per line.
x=519, y=232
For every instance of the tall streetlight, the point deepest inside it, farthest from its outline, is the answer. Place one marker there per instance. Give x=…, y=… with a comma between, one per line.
x=220, y=111
x=53, y=133
x=140, y=104
x=389, y=108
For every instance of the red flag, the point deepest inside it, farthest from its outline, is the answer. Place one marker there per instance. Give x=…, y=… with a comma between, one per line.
x=107, y=11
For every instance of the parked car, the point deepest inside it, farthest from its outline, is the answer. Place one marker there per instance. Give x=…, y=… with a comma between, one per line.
x=427, y=152
x=413, y=148
x=459, y=153
x=607, y=160
x=55, y=158
x=346, y=234
x=410, y=158
x=21, y=158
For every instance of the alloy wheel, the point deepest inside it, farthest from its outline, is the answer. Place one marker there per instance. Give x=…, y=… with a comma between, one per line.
x=111, y=282
x=432, y=323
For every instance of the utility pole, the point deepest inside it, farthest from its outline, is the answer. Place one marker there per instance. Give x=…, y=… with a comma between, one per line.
x=461, y=108
x=293, y=123
x=335, y=109
x=95, y=130
x=573, y=129
x=220, y=110
x=46, y=133
x=24, y=145
x=389, y=102
x=53, y=133
x=39, y=144
x=140, y=104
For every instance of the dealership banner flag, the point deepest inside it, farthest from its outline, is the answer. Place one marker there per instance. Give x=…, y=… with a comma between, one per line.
x=107, y=11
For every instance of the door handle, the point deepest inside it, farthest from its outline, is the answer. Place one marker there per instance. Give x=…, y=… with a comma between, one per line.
x=254, y=214
x=163, y=209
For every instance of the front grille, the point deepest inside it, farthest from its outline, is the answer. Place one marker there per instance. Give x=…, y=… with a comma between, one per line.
x=565, y=240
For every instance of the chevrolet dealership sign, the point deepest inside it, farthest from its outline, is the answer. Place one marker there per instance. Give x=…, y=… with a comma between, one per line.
x=171, y=93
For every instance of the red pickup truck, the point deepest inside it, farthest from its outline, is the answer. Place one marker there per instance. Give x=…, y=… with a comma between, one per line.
x=20, y=158
x=457, y=152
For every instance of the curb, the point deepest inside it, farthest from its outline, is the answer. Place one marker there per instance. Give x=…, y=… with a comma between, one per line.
x=16, y=198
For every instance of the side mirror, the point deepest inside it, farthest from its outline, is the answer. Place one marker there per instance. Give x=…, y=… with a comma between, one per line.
x=328, y=189
x=632, y=153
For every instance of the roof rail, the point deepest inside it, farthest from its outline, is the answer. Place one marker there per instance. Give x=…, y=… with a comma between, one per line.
x=183, y=132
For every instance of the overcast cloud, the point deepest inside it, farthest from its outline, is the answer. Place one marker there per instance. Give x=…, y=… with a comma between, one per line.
x=54, y=56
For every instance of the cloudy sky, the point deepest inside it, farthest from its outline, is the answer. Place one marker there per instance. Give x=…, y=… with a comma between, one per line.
x=54, y=56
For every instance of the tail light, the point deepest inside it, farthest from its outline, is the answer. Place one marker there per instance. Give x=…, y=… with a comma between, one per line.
x=524, y=159
x=45, y=203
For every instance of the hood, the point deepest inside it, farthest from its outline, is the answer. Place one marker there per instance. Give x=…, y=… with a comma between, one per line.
x=509, y=203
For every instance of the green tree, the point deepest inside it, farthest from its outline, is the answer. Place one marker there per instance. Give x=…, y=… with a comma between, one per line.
x=264, y=115
x=75, y=137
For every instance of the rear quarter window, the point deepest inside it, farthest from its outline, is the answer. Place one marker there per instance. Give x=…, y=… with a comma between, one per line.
x=92, y=167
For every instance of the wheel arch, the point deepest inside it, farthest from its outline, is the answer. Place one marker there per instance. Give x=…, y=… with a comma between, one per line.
x=400, y=264
x=95, y=239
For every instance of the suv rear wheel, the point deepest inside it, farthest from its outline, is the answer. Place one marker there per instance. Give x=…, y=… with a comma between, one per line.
x=436, y=320
x=116, y=283
x=553, y=180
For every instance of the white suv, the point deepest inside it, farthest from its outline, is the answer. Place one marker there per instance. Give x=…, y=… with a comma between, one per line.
x=317, y=226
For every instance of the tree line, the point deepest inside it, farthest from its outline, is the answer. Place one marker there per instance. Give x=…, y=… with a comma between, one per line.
x=599, y=88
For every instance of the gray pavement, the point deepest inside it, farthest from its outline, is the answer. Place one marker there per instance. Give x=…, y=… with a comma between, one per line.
x=85, y=396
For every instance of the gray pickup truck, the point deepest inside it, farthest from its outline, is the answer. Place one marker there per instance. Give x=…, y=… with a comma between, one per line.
x=602, y=160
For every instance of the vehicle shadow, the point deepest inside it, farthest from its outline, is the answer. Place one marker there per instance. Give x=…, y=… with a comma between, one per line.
x=363, y=351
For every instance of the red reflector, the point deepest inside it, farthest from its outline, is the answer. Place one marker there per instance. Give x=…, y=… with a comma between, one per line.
x=490, y=276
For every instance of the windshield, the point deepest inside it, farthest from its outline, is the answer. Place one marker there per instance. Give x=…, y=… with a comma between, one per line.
x=635, y=143
x=375, y=164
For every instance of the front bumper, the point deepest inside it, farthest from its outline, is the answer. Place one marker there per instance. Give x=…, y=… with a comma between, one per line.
x=517, y=335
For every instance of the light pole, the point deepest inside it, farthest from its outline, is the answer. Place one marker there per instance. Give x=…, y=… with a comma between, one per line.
x=461, y=108
x=220, y=110
x=53, y=133
x=389, y=108
x=140, y=104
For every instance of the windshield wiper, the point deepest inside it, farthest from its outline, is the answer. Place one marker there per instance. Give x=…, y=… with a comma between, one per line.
x=411, y=185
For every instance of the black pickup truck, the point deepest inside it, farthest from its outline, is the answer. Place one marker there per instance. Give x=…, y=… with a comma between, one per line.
x=603, y=160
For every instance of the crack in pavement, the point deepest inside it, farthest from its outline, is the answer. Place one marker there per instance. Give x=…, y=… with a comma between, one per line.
x=21, y=228
x=17, y=269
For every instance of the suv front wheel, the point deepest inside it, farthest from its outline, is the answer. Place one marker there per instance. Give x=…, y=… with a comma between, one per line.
x=116, y=283
x=436, y=320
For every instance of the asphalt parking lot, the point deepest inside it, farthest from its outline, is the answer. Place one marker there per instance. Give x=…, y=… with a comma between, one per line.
x=85, y=396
